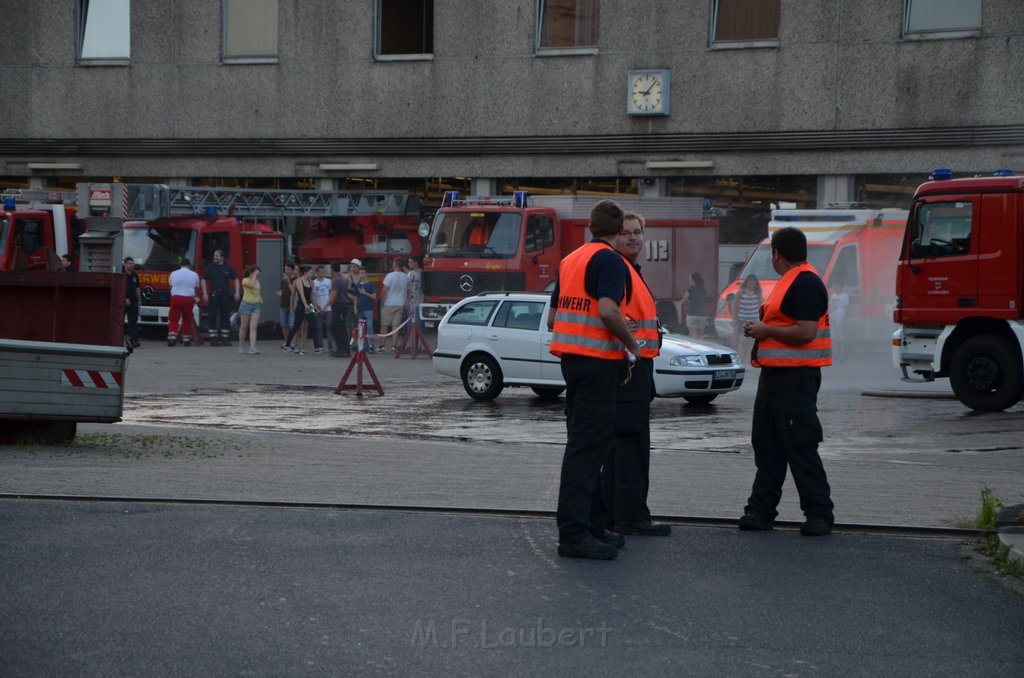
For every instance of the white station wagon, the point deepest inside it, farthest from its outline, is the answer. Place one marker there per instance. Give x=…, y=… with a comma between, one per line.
x=500, y=339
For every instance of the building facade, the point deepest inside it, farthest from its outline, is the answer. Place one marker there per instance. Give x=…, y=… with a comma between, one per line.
x=745, y=102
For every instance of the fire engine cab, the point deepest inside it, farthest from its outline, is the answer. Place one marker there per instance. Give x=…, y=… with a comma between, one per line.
x=960, y=288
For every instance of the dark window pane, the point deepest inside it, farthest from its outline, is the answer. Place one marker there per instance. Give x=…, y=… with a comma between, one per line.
x=406, y=26
x=746, y=20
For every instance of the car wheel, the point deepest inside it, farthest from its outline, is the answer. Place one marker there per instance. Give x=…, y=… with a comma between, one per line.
x=481, y=377
x=547, y=392
x=700, y=399
x=985, y=373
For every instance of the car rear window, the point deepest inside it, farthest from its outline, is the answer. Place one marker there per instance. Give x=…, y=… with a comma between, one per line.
x=474, y=313
x=520, y=315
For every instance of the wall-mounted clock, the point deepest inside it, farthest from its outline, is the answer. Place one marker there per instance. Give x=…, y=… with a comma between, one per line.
x=648, y=92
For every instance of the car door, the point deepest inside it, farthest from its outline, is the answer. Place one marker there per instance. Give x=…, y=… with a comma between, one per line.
x=515, y=334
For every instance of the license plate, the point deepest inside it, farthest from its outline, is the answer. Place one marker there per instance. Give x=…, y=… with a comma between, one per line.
x=725, y=374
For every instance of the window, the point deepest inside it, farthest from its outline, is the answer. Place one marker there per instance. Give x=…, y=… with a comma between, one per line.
x=845, y=270
x=104, y=31
x=250, y=31
x=928, y=17
x=520, y=315
x=540, y=233
x=567, y=25
x=942, y=230
x=405, y=28
x=745, y=23
x=475, y=313
x=28, y=235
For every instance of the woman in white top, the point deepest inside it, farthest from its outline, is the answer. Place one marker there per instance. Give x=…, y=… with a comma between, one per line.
x=746, y=306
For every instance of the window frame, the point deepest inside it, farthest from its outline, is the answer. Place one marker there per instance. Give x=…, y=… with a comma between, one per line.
x=936, y=34
x=715, y=43
x=232, y=60
x=378, y=38
x=82, y=22
x=540, y=50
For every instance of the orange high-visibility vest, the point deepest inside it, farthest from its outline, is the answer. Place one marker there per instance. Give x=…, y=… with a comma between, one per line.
x=578, y=328
x=774, y=353
x=641, y=309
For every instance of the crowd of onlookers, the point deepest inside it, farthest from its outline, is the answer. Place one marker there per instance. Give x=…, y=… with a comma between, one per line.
x=327, y=310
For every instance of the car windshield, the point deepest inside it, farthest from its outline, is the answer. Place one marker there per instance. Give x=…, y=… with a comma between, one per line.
x=159, y=248
x=760, y=263
x=480, y=233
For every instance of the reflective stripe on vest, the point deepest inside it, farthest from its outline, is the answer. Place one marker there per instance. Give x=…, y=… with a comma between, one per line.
x=775, y=353
x=580, y=331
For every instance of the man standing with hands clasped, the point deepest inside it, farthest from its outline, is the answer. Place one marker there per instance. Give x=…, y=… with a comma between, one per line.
x=792, y=346
x=626, y=479
x=592, y=340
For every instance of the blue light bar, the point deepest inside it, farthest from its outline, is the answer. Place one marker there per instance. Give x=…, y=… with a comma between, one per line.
x=519, y=198
x=941, y=174
x=9, y=203
x=450, y=197
x=211, y=211
x=1003, y=173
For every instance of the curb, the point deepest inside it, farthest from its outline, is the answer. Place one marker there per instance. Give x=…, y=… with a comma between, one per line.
x=1010, y=530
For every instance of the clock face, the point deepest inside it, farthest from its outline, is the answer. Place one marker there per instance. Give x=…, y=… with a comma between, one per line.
x=647, y=93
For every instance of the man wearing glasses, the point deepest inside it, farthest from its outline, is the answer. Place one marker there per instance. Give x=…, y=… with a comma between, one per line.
x=625, y=479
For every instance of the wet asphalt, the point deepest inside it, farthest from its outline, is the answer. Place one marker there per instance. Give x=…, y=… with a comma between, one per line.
x=380, y=572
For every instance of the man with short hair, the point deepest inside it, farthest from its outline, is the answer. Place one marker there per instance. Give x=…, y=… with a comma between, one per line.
x=625, y=479
x=337, y=301
x=284, y=293
x=592, y=340
x=395, y=288
x=132, y=300
x=217, y=280
x=792, y=345
x=184, y=288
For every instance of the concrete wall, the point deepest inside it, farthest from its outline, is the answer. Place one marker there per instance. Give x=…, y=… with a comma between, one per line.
x=840, y=65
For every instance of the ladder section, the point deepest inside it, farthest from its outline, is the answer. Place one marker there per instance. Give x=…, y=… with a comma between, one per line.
x=154, y=201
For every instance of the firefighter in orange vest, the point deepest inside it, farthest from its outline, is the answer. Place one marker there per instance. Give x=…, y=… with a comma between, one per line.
x=792, y=346
x=625, y=480
x=593, y=341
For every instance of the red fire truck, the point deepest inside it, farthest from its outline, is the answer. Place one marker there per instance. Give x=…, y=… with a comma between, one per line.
x=164, y=224
x=379, y=226
x=37, y=227
x=960, y=288
x=516, y=243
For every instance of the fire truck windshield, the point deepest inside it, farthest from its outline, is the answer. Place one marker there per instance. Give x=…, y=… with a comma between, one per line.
x=159, y=248
x=760, y=263
x=479, y=233
x=3, y=235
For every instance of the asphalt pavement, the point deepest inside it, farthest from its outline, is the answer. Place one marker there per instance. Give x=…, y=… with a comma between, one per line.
x=211, y=550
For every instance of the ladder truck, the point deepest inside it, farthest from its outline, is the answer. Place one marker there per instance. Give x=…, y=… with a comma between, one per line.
x=163, y=224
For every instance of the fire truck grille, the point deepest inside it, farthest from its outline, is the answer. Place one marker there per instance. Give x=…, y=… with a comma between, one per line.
x=465, y=284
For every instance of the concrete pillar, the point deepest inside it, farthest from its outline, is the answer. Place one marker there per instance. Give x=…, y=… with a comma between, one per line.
x=36, y=182
x=835, y=190
x=326, y=184
x=483, y=186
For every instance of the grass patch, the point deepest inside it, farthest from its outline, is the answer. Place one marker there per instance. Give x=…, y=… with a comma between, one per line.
x=143, y=445
x=996, y=552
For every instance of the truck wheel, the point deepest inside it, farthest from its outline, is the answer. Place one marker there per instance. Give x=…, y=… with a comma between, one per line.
x=481, y=377
x=986, y=373
x=548, y=392
x=700, y=399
